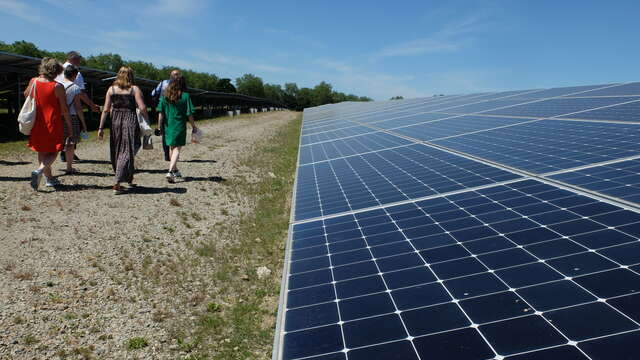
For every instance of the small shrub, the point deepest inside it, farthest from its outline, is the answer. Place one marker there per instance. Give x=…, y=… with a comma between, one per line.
x=213, y=307
x=137, y=343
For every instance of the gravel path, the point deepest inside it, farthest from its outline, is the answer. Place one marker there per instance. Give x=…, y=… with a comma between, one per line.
x=72, y=260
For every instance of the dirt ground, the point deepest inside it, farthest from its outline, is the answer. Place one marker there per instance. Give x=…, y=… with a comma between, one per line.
x=74, y=262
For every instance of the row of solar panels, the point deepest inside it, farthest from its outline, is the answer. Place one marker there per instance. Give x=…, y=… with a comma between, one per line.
x=537, y=145
x=423, y=229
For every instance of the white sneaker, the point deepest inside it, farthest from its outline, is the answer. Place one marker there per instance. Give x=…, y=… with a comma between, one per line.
x=36, y=179
x=177, y=174
x=170, y=177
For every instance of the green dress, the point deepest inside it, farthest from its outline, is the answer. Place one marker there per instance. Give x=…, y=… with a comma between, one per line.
x=176, y=116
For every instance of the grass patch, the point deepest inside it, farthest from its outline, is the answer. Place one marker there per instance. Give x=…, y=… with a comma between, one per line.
x=137, y=343
x=244, y=327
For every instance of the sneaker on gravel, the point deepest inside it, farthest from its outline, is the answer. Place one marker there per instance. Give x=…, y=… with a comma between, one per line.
x=177, y=174
x=36, y=178
x=52, y=182
x=170, y=178
x=117, y=190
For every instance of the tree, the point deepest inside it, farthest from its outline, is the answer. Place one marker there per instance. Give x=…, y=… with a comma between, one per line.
x=322, y=94
x=290, y=94
x=108, y=62
x=250, y=85
x=304, y=99
x=273, y=92
x=397, y=98
x=145, y=70
x=338, y=97
x=225, y=85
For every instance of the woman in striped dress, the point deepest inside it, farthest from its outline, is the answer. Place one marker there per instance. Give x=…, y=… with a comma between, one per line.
x=121, y=101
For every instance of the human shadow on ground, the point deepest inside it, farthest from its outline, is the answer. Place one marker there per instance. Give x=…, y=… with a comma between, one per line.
x=93, y=162
x=217, y=179
x=198, y=161
x=94, y=174
x=14, y=178
x=80, y=187
x=145, y=190
x=151, y=171
x=14, y=163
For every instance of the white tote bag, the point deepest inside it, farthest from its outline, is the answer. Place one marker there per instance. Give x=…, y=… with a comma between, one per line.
x=145, y=129
x=27, y=116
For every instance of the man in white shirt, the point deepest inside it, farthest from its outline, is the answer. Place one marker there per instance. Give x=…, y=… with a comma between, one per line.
x=73, y=58
x=72, y=135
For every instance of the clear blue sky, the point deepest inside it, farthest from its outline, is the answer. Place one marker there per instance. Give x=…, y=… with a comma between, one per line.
x=410, y=48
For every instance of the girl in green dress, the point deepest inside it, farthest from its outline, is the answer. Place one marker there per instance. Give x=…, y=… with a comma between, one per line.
x=174, y=109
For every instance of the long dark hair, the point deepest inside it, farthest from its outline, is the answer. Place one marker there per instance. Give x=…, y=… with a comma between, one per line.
x=175, y=89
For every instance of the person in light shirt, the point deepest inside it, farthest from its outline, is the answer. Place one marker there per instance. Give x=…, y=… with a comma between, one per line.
x=74, y=58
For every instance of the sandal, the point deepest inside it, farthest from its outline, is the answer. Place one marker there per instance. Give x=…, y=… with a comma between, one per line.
x=117, y=189
x=71, y=172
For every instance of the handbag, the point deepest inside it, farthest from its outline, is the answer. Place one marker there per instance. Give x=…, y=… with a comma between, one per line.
x=144, y=125
x=147, y=143
x=27, y=116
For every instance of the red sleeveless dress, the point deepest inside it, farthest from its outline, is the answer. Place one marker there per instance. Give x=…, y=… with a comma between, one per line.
x=47, y=134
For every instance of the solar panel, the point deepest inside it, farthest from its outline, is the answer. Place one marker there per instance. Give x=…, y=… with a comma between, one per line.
x=620, y=90
x=629, y=111
x=423, y=231
x=456, y=126
x=335, y=134
x=349, y=146
x=378, y=178
x=482, y=268
x=558, y=106
x=550, y=145
x=621, y=180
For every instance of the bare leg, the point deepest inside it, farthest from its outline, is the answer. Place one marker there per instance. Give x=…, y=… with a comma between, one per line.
x=41, y=157
x=49, y=158
x=175, y=155
x=69, y=151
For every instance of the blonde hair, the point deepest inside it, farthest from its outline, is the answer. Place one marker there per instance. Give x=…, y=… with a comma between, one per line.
x=124, y=79
x=50, y=68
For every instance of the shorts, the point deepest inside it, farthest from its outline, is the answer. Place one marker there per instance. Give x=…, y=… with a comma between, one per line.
x=72, y=137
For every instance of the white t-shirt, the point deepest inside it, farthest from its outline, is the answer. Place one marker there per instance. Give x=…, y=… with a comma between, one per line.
x=72, y=90
x=79, y=79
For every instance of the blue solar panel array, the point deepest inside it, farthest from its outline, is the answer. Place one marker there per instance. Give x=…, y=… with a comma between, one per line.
x=456, y=228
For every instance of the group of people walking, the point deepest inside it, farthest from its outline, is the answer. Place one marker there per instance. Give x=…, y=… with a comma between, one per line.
x=60, y=124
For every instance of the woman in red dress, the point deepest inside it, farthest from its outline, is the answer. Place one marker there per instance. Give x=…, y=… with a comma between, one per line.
x=47, y=135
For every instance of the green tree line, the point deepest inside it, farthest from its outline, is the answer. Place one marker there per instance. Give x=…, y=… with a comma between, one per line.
x=290, y=94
